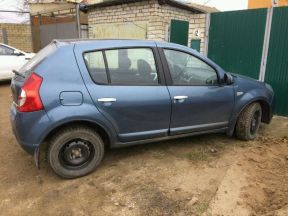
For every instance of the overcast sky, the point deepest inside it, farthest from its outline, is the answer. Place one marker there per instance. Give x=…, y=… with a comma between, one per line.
x=14, y=5
x=224, y=5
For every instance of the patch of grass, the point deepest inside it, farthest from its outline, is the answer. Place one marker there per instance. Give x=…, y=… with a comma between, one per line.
x=200, y=148
x=201, y=154
x=241, y=144
x=158, y=154
x=202, y=207
x=220, y=145
x=154, y=201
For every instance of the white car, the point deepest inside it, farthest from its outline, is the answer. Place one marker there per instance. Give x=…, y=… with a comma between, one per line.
x=11, y=59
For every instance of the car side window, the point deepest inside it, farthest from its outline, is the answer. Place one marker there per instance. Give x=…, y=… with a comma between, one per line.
x=133, y=66
x=186, y=69
x=6, y=50
x=96, y=66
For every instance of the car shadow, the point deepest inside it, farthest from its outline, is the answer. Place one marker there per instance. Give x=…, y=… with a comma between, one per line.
x=168, y=147
x=5, y=82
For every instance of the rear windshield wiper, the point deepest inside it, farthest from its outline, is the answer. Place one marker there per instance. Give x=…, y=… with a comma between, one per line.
x=18, y=73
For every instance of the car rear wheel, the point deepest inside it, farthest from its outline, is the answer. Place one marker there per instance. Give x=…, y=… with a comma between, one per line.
x=248, y=122
x=75, y=152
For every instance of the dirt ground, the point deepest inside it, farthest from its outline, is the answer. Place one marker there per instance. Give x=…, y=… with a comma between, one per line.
x=202, y=175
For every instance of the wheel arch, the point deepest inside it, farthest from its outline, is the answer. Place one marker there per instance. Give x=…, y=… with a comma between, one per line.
x=266, y=113
x=99, y=128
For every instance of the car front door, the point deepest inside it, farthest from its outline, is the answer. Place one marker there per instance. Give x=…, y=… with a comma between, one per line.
x=199, y=102
x=127, y=89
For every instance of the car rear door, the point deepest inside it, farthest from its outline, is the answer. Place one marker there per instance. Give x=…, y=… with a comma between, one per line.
x=126, y=84
x=199, y=102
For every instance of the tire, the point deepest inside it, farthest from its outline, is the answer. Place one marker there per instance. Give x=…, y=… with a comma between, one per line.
x=248, y=122
x=75, y=152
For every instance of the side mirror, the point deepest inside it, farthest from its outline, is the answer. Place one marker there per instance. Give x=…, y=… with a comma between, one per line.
x=17, y=53
x=228, y=79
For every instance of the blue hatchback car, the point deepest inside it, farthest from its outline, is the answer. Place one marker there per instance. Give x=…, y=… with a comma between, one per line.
x=76, y=97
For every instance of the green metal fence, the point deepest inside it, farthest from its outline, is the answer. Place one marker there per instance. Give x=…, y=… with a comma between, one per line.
x=236, y=41
x=277, y=61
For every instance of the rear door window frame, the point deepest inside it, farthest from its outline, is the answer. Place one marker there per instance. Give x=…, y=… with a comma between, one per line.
x=105, y=64
x=157, y=59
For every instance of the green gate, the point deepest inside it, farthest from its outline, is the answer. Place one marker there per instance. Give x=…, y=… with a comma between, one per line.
x=179, y=32
x=236, y=40
x=277, y=62
x=196, y=44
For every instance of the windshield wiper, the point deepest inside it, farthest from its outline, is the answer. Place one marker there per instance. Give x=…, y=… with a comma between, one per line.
x=18, y=73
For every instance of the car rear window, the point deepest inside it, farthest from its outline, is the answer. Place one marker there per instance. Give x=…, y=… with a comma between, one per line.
x=28, y=68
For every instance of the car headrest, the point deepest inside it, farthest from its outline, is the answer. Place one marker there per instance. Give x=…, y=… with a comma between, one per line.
x=144, y=67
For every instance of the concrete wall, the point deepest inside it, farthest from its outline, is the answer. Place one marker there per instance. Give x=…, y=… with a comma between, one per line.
x=19, y=36
x=147, y=16
x=127, y=30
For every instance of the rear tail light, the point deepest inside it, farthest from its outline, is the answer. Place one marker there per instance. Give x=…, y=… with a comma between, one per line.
x=29, y=99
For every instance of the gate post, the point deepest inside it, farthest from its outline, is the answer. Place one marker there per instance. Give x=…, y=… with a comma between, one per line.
x=206, y=37
x=78, y=20
x=266, y=44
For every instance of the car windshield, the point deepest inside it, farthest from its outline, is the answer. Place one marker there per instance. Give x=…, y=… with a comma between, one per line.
x=27, y=68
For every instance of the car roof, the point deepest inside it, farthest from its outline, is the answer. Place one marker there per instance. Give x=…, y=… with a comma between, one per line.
x=110, y=43
x=123, y=42
x=79, y=41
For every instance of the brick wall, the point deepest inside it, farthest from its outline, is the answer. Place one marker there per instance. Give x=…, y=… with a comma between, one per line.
x=164, y=14
x=19, y=36
x=157, y=16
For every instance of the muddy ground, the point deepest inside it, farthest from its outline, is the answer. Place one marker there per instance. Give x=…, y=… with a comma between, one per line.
x=202, y=175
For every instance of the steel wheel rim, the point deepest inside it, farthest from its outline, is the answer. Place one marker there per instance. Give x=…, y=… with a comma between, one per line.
x=76, y=154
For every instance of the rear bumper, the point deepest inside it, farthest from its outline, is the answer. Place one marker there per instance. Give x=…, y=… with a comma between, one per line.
x=28, y=147
x=28, y=128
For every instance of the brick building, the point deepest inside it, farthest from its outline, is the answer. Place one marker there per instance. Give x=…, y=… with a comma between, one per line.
x=167, y=20
x=15, y=29
x=18, y=36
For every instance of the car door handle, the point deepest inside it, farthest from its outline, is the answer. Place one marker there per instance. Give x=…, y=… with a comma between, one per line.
x=106, y=100
x=180, y=97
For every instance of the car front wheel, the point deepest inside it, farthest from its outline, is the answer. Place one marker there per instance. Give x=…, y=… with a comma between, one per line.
x=248, y=122
x=75, y=152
